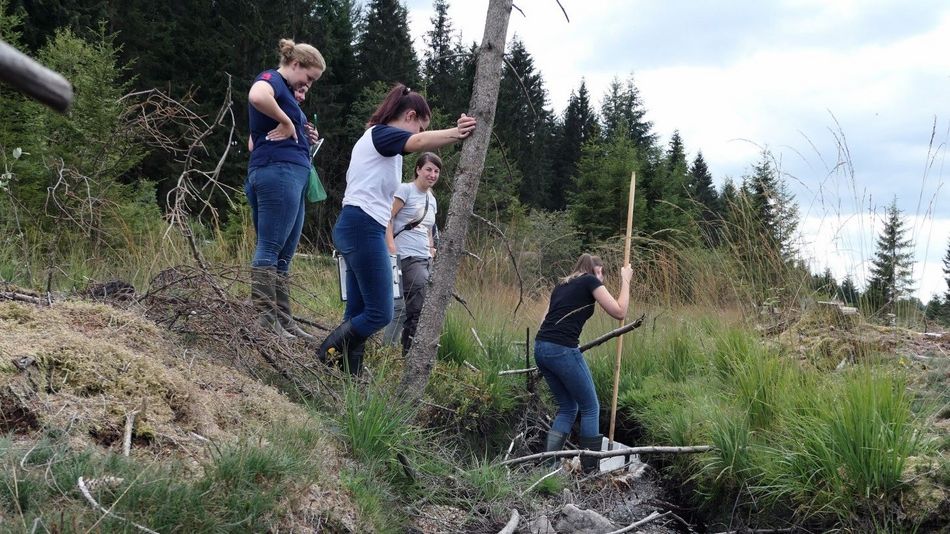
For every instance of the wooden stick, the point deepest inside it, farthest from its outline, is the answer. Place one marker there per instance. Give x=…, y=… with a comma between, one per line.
x=626, y=260
x=612, y=334
x=648, y=519
x=129, y=425
x=609, y=454
x=34, y=80
x=512, y=523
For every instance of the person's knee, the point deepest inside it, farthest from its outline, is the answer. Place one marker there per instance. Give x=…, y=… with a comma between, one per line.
x=378, y=318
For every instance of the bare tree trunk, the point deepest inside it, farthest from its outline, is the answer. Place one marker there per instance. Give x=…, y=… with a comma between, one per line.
x=488, y=66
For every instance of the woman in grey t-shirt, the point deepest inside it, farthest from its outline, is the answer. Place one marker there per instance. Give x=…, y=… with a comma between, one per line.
x=410, y=235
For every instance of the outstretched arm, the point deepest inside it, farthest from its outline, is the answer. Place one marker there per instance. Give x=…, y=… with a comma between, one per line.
x=434, y=139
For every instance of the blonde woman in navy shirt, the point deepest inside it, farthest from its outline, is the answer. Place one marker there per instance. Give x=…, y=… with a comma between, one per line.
x=278, y=173
x=397, y=127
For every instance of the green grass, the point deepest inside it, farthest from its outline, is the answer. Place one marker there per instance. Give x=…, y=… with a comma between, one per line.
x=243, y=487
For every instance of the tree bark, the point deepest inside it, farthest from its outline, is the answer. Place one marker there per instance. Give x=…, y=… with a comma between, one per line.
x=425, y=344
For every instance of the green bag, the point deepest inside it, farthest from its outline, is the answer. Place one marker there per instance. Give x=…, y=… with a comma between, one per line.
x=315, y=191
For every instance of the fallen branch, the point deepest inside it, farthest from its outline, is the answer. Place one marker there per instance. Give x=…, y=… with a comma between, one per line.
x=609, y=454
x=612, y=334
x=512, y=523
x=758, y=531
x=127, y=439
x=107, y=512
x=648, y=519
x=517, y=371
x=532, y=486
x=12, y=295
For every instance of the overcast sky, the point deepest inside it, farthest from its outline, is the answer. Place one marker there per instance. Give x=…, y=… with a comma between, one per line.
x=818, y=82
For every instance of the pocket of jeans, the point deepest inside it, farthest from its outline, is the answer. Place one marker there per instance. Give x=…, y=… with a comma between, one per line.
x=552, y=351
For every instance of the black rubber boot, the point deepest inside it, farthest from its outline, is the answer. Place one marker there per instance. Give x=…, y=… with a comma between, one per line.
x=345, y=346
x=264, y=297
x=284, y=315
x=590, y=464
x=555, y=442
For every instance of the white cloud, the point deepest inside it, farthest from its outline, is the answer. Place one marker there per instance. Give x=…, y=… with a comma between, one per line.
x=844, y=92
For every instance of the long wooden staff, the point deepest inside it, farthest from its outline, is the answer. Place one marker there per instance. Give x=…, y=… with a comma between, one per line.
x=626, y=260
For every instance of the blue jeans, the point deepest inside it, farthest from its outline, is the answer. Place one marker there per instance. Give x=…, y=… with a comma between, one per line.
x=570, y=381
x=276, y=193
x=369, y=273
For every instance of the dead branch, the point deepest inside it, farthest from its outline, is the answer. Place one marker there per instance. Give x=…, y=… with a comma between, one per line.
x=13, y=295
x=608, y=454
x=107, y=512
x=511, y=255
x=612, y=334
x=648, y=519
x=518, y=371
x=540, y=480
x=127, y=437
x=563, y=10
x=512, y=523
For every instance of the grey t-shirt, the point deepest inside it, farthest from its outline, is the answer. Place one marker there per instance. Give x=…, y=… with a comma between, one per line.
x=414, y=242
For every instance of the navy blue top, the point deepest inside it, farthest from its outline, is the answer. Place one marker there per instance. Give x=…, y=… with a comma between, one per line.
x=287, y=151
x=572, y=304
x=390, y=141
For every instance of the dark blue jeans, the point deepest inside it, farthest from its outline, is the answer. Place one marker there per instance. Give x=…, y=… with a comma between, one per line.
x=570, y=381
x=276, y=194
x=369, y=273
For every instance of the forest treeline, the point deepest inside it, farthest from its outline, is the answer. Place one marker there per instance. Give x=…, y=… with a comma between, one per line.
x=112, y=161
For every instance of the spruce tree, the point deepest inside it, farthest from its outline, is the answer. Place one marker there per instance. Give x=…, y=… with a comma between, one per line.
x=442, y=68
x=598, y=205
x=848, y=291
x=578, y=127
x=892, y=266
x=623, y=113
x=946, y=273
x=525, y=124
x=384, y=49
x=700, y=188
x=668, y=209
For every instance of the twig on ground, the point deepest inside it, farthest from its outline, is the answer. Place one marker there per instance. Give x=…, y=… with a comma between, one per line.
x=532, y=486
x=608, y=454
x=511, y=446
x=512, y=523
x=12, y=295
x=107, y=512
x=127, y=439
x=648, y=519
x=517, y=371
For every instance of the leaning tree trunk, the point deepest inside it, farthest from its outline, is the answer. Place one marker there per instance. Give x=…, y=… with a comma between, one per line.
x=490, y=59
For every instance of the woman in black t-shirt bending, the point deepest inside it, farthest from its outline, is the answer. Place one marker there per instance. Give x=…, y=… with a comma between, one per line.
x=561, y=362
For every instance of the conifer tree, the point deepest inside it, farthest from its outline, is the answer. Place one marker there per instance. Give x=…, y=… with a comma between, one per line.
x=848, y=291
x=525, y=124
x=598, y=205
x=384, y=49
x=946, y=273
x=442, y=68
x=700, y=189
x=623, y=113
x=892, y=266
x=578, y=127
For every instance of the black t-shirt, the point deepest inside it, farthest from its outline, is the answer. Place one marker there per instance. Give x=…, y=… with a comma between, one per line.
x=572, y=304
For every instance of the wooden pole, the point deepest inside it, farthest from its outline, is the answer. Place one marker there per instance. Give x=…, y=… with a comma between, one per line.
x=626, y=260
x=33, y=79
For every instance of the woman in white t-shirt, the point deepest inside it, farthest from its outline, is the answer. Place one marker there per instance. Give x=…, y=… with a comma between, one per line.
x=410, y=235
x=396, y=128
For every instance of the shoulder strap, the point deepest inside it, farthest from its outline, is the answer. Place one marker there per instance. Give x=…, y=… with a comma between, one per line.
x=412, y=224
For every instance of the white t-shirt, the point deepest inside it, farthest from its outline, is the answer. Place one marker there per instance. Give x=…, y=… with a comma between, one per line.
x=375, y=170
x=414, y=242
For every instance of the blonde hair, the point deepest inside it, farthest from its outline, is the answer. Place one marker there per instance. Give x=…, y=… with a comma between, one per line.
x=304, y=54
x=585, y=265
